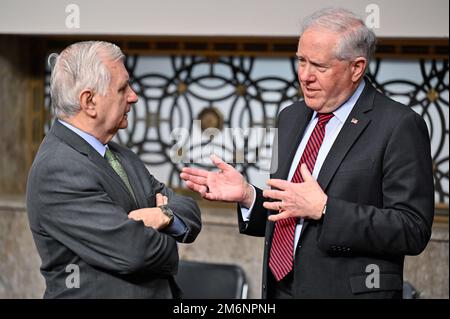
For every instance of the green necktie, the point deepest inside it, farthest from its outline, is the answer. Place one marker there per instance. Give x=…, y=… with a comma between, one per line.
x=115, y=164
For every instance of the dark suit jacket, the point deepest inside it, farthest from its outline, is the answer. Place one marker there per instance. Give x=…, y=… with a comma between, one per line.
x=379, y=182
x=78, y=211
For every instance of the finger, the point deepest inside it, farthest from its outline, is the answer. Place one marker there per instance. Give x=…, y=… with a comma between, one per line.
x=278, y=183
x=210, y=196
x=274, y=194
x=279, y=216
x=220, y=163
x=272, y=205
x=159, y=199
x=306, y=175
x=197, y=188
x=131, y=214
x=195, y=179
x=135, y=216
x=194, y=171
x=165, y=200
x=194, y=186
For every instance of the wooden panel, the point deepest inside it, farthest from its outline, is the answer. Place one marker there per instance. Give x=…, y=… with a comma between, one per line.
x=410, y=48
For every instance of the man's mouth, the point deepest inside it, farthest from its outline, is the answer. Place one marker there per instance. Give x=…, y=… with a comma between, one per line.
x=309, y=92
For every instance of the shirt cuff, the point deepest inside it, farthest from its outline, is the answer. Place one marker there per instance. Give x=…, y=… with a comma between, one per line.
x=177, y=228
x=246, y=212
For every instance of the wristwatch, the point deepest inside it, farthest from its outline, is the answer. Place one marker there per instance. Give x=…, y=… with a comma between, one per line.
x=168, y=212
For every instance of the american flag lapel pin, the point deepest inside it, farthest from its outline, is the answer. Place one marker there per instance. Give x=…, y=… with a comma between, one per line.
x=354, y=121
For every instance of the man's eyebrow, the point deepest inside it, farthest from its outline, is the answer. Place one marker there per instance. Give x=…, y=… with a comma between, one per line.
x=125, y=82
x=318, y=63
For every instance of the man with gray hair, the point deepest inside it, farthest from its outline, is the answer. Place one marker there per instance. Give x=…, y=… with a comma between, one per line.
x=103, y=225
x=353, y=192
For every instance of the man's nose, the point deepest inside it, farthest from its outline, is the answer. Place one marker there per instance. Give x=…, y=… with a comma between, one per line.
x=133, y=98
x=306, y=74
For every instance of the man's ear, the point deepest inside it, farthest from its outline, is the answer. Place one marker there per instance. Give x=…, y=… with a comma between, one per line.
x=87, y=103
x=358, y=68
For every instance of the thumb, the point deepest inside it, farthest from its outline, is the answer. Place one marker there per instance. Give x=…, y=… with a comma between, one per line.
x=306, y=175
x=220, y=163
x=159, y=199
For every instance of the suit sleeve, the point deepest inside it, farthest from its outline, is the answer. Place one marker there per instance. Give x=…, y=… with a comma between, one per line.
x=256, y=226
x=76, y=211
x=184, y=208
x=402, y=226
x=258, y=222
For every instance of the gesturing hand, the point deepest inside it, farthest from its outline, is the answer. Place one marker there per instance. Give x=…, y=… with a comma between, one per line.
x=305, y=200
x=225, y=185
x=153, y=216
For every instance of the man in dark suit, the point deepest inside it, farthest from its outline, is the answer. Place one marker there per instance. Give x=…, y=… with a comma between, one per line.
x=352, y=189
x=103, y=225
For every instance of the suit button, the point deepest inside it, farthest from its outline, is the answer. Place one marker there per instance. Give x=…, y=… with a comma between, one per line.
x=267, y=243
x=264, y=287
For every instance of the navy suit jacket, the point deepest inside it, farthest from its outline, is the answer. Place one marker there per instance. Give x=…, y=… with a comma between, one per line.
x=379, y=181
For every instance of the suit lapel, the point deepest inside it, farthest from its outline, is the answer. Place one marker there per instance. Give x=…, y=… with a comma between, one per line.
x=81, y=146
x=290, y=145
x=131, y=173
x=352, y=129
x=95, y=157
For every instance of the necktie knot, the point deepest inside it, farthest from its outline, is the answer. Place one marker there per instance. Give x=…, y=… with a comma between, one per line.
x=324, y=118
x=109, y=155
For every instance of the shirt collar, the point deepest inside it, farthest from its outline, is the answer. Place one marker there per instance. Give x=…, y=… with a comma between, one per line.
x=342, y=112
x=96, y=144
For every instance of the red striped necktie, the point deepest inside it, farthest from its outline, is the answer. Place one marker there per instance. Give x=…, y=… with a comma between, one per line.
x=281, y=258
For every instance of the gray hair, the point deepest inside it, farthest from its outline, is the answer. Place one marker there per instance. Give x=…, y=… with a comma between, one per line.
x=80, y=66
x=356, y=41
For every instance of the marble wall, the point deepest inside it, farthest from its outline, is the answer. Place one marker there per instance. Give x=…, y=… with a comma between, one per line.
x=19, y=260
x=429, y=271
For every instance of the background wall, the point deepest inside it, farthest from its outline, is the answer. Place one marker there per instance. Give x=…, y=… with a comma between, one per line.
x=399, y=18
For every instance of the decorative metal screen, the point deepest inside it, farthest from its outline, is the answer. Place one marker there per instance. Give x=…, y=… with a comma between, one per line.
x=248, y=92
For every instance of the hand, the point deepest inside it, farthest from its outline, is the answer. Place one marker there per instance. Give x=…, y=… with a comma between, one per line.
x=226, y=185
x=152, y=217
x=305, y=200
x=161, y=199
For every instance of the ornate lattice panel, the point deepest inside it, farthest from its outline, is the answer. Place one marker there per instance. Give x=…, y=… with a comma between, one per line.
x=192, y=93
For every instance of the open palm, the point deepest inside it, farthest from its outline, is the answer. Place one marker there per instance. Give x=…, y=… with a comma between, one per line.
x=224, y=185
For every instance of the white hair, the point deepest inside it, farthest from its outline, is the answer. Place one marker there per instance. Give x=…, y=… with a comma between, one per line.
x=80, y=66
x=356, y=41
